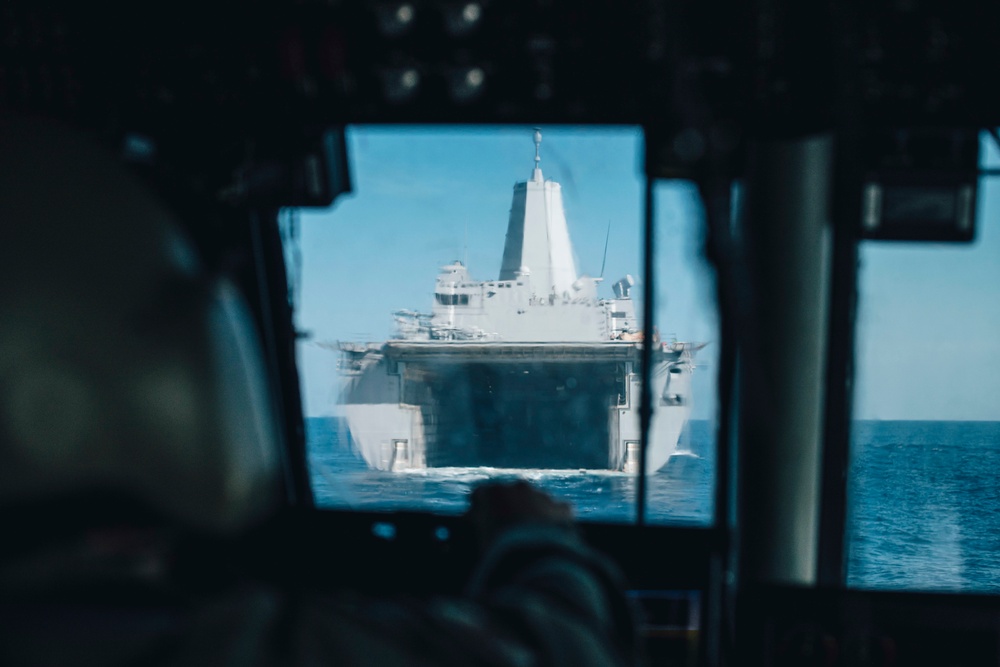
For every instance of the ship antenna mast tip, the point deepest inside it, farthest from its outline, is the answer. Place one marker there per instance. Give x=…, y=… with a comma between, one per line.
x=537, y=176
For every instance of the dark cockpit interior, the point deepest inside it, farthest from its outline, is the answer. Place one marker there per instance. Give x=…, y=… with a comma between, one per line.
x=837, y=155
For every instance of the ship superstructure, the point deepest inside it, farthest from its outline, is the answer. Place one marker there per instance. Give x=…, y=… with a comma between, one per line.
x=531, y=370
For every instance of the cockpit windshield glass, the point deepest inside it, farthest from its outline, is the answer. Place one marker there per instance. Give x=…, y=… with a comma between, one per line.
x=473, y=310
x=924, y=493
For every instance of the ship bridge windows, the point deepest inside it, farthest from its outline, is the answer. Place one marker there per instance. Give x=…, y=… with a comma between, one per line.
x=452, y=299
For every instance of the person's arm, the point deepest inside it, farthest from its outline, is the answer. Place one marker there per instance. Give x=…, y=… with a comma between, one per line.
x=539, y=596
x=538, y=578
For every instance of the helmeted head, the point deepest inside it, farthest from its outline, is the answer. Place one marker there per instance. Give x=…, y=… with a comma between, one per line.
x=123, y=367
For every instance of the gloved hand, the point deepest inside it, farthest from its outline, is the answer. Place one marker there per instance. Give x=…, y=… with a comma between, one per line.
x=496, y=506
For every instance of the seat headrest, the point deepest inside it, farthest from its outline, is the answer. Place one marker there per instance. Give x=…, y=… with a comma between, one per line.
x=123, y=366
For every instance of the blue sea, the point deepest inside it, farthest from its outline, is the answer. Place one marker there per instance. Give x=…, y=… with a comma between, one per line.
x=924, y=506
x=923, y=496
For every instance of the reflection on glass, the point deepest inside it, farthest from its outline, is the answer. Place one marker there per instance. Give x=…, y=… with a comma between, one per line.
x=517, y=359
x=924, y=494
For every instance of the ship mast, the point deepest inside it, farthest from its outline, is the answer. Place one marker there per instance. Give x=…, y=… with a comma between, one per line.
x=536, y=175
x=538, y=242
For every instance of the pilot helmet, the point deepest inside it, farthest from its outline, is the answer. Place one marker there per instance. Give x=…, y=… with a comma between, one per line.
x=124, y=368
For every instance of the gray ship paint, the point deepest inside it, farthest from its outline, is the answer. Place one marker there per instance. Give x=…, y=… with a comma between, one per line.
x=531, y=370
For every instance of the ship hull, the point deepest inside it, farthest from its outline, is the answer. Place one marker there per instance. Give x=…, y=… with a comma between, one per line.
x=412, y=405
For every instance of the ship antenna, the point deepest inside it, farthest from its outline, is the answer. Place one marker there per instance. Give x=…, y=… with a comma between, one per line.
x=607, y=237
x=537, y=174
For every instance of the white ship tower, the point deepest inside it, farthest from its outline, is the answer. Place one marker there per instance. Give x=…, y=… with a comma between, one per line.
x=537, y=236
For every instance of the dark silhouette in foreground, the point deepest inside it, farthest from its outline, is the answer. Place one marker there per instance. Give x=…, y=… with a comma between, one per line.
x=134, y=412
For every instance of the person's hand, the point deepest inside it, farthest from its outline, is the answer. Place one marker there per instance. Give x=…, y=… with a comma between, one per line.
x=495, y=506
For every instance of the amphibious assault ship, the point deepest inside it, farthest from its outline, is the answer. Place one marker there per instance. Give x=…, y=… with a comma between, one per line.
x=531, y=370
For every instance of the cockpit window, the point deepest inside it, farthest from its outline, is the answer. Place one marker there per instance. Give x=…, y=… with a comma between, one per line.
x=924, y=493
x=473, y=310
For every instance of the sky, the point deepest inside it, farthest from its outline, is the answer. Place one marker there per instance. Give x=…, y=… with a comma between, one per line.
x=928, y=334
x=929, y=316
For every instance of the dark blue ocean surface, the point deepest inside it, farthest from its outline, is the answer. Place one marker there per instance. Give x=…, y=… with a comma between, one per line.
x=924, y=506
x=923, y=501
x=679, y=494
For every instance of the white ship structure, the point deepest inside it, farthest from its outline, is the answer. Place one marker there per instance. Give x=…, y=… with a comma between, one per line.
x=531, y=370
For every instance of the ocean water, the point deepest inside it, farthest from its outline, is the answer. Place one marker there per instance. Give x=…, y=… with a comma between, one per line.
x=924, y=506
x=680, y=494
x=923, y=497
